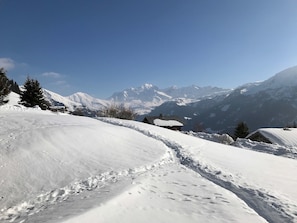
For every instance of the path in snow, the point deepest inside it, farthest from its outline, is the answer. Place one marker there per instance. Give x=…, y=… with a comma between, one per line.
x=266, y=203
x=171, y=193
x=46, y=158
x=200, y=182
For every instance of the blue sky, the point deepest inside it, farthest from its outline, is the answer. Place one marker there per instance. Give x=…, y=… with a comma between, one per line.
x=101, y=47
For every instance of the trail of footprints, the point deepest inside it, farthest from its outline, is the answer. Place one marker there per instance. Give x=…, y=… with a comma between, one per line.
x=180, y=192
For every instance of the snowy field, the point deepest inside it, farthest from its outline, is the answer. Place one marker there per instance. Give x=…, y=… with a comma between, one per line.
x=62, y=168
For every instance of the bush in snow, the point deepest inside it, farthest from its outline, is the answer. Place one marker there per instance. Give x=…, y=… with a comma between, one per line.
x=33, y=95
x=4, y=87
x=119, y=111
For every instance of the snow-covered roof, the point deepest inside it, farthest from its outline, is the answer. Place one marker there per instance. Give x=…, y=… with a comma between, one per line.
x=280, y=136
x=161, y=122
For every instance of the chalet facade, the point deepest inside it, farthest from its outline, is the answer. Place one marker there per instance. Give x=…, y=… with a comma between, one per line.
x=169, y=122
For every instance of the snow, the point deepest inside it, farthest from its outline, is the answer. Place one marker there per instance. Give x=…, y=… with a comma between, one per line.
x=163, y=94
x=52, y=96
x=147, y=97
x=283, y=137
x=88, y=101
x=63, y=168
x=243, y=91
x=147, y=86
x=161, y=122
x=214, y=137
x=287, y=78
x=290, y=152
x=180, y=195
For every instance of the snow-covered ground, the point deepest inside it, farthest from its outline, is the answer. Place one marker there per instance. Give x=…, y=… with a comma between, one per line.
x=62, y=168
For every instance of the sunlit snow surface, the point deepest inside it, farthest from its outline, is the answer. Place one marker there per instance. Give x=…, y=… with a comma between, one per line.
x=62, y=168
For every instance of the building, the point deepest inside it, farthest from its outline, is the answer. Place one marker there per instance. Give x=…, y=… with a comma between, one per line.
x=280, y=136
x=169, y=122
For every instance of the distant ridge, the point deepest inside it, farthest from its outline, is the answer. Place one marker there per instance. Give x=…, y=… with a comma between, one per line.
x=270, y=103
x=142, y=99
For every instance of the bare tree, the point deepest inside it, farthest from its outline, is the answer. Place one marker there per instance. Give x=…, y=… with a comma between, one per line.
x=119, y=111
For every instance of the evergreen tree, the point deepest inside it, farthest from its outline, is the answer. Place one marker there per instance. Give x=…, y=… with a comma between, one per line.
x=4, y=86
x=14, y=87
x=241, y=130
x=33, y=95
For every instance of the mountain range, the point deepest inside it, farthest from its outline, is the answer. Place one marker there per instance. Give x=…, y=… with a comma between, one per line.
x=271, y=103
x=141, y=99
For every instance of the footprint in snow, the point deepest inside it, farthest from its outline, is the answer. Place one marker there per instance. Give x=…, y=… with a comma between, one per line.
x=187, y=195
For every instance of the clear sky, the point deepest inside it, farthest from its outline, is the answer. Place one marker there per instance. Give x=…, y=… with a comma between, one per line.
x=101, y=47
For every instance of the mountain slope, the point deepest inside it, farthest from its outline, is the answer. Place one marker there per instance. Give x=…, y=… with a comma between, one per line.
x=281, y=80
x=58, y=100
x=88, y=101
x=143, y=99
x=62, y=168
x=271, y=103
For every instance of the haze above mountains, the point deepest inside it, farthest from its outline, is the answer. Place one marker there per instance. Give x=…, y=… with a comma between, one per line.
x=271, y=103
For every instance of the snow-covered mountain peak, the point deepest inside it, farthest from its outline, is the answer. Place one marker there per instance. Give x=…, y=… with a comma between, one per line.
x=80, y=96
x=148, y=96
x=57, y=99
x=88, y=101
x=286, y=77
x=147, y=86
x=280, y=82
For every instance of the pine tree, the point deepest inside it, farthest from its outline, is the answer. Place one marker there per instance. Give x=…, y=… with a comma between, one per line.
x=4, y=86
x=33, y=95
x=14, y=87
x=241, y=130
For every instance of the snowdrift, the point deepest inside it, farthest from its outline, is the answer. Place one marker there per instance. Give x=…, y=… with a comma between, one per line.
x=61, y=168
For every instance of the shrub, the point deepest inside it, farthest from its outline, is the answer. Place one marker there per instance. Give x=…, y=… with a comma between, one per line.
x=119, y=111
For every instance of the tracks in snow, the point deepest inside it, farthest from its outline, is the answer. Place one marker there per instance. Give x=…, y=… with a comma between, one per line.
x=21, y=211
x=266, y=205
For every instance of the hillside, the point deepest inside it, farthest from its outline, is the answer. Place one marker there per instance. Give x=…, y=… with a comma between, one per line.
x=147, y=97
x=62, y=168
x=271, y=103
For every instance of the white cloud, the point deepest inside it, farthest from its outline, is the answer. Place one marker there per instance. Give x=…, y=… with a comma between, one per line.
x=7, y=63
x=60, y=83
x=51, y=74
